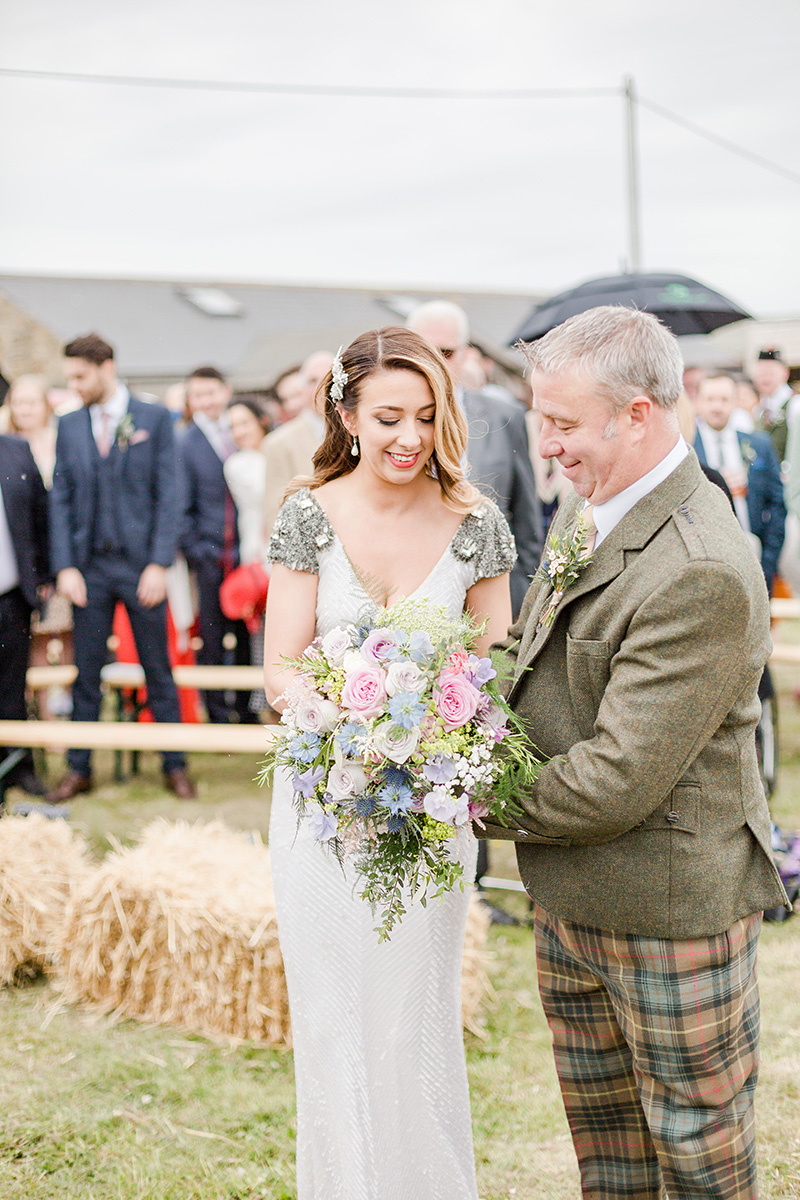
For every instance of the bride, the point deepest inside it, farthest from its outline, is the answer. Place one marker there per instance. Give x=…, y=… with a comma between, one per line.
x=382, y=1097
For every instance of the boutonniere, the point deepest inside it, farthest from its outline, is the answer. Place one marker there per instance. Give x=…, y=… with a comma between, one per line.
x=125, y=432
x=748, y=453
x=565, y=558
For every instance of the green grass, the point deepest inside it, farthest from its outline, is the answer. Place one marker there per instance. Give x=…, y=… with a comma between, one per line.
x=94, y=1110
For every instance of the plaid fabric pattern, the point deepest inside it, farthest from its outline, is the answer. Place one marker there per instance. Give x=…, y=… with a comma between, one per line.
x=656, y=1048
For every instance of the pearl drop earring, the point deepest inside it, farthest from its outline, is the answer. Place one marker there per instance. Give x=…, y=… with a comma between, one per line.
x=354, y=447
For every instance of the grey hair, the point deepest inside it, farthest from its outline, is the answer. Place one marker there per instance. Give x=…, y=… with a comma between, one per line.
x=625, y=351
x=433, y=311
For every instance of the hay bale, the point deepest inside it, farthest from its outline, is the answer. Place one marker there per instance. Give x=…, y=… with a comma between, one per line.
x=474, y=979
x=41, y=863
x=180, y=930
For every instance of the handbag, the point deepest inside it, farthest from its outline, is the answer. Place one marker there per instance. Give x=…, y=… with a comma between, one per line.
x=243, y=594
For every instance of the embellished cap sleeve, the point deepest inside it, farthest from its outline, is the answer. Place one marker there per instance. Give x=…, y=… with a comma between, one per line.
x=300, y=531
x=485, y=541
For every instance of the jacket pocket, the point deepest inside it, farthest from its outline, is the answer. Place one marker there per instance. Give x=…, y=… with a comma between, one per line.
x=588, y=673
x=680, y=810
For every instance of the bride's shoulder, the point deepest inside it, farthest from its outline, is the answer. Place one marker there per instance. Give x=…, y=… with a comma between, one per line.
x=300, y=531
x=484, y=539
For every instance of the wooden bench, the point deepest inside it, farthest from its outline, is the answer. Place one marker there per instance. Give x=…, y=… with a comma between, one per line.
x=134, y=735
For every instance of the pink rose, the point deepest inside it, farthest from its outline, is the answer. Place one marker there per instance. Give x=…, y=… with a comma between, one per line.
x=456, y=700
x=364, y=690
x=456, y=663
x=378, y=645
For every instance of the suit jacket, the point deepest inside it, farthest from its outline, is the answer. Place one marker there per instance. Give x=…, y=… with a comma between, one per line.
x=500, y=467
x=146, y=487
x=650, y=816
x=289, y=451
x=25, y=501
x=766, y=507
x=205, y=496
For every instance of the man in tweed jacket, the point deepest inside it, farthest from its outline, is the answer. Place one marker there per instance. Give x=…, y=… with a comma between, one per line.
x=645, y=840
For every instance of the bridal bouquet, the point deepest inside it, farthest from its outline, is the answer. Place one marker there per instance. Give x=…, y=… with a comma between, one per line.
x=396, y=737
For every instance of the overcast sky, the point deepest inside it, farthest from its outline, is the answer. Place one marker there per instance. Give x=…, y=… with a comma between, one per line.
x=499, y=195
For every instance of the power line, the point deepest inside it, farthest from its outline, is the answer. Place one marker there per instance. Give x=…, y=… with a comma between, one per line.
x=397, y=93
x=794, y=176
x=312, y=89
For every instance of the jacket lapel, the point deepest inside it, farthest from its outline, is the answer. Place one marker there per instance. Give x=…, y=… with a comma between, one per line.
x=633, y=532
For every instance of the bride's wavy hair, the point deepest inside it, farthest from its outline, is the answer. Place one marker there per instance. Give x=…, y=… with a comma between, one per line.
x=395, y=349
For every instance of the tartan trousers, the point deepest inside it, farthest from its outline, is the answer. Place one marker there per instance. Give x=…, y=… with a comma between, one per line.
x=656, y=1048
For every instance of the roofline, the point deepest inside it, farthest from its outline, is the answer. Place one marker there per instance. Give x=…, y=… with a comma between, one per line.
x=308, y=285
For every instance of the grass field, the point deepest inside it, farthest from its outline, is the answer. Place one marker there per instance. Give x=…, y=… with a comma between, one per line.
x=97, y=1111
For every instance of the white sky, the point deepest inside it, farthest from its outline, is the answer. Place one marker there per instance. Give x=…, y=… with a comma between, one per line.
x=480, y=194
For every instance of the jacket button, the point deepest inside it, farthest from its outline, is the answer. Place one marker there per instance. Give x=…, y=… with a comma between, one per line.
x=672, y=817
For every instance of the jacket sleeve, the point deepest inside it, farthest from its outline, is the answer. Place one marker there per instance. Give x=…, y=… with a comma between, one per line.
x=60, y=506
x=41, y=532
x=524, y=510
x=774, y=514
x=167, y=488
x=671, y=684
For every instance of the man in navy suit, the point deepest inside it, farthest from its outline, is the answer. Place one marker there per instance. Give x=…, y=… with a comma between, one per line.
x=208, y=535
x=113, y=528
x=747, y=462
x=24, y=569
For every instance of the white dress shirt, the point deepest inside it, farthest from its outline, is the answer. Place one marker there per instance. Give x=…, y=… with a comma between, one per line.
x=115, y=407
x=783, y=398
x=217, y=433
x=609, y=514
x=724, y=454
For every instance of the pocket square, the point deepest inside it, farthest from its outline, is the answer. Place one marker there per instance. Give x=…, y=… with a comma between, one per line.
x=139, y=435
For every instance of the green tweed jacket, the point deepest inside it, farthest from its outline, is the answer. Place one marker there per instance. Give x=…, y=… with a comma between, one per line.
x=651, y=817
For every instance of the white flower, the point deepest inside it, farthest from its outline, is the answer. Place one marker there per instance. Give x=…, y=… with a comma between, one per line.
x=335, y=645
x=461, y=815
x=395, y=743
x=352, y=660
x=405, y=677
x=346, y=781
x=315, y=714
x=439, y=805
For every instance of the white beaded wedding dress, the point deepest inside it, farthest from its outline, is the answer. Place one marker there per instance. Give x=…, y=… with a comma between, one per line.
x=382, y=1098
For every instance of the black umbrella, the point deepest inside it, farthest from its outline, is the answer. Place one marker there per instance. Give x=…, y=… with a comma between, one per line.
x=684, y=305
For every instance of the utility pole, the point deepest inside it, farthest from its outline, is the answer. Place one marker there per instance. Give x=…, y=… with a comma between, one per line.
x=634, y=239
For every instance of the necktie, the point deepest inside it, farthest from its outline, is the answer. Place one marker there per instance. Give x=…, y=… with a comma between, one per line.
x=720, y=452
x=591, y=529
x=104, y=441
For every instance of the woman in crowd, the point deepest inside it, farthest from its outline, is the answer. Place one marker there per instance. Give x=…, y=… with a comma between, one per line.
x=382, y=1097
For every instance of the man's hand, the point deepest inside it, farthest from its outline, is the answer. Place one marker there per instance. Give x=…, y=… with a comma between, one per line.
x=70, y=583
x=152, y=585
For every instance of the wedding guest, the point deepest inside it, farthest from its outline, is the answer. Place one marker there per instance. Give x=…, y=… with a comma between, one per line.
x=246, y=477
x=691, y=380
x=29, y=416
x=497, y=449
x=645, y=840
x=382, y=1098
x=747, y=463
x=289, y=450
x=113, y=526
x=209, y=536
x=747, y=401
x=779, y=404
x=290, y=388
x=24, y=570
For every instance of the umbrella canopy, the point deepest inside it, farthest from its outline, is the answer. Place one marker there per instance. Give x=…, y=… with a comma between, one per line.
x=684, y=305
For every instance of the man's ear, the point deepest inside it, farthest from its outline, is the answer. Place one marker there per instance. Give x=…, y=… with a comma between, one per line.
x=640, y=414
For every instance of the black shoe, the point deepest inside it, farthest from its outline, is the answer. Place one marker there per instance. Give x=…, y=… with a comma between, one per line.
x=27, y=779
x=498, y=916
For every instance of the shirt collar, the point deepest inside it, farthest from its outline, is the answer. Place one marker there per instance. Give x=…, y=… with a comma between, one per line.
x=609, y=514
x=116, y=406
